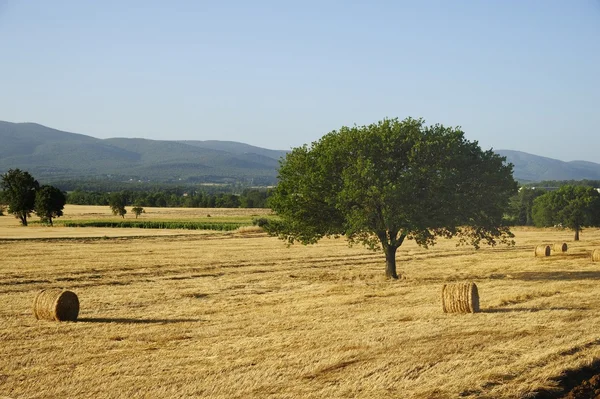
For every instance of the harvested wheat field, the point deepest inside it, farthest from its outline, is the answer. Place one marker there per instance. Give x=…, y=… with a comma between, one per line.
x=240, y=315
x=10, y=229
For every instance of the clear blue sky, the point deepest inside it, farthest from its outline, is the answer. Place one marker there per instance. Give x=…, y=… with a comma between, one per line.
x=522, y=75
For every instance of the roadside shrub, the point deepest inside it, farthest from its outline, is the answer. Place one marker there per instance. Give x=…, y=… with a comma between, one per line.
x=248, y=229
x=260, y=222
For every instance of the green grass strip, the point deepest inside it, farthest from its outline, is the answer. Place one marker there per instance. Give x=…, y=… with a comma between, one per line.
x=153, y=224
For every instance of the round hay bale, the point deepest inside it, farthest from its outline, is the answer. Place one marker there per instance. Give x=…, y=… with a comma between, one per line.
x=596, y=255
x=56, y=304
x=460, y=298
x=542, y=250
x=559, y=247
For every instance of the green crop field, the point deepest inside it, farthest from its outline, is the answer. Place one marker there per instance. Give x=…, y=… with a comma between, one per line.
x=156, y=224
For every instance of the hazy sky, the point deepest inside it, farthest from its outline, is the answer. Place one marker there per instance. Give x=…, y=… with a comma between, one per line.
x=522, y=75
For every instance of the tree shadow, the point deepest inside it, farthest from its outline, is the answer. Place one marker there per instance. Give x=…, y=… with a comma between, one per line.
x=530, y=310
x=557, y=275
x=564, y=255
x=134, y=321
x=570, y=379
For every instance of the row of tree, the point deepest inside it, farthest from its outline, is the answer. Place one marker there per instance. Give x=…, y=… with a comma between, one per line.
x=569, y=206
x=126, y=183
x=24, y=195
x=118, y=202
x=573, y=207
x=249, y=198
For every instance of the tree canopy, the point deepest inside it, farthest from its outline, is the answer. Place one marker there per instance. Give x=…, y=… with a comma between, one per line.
x=117, y=203
x=573, y=207
x=137, y=210
x=180, y=198
x=390, y=181
x=19, y=193
x=49, y=203
x=521, y=209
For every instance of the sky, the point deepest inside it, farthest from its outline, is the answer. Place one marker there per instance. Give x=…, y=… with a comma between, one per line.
x=519, y=75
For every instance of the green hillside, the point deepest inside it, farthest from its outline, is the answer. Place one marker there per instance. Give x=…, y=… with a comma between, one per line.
x=236, y=148
x=534, y=168
x=53, y=155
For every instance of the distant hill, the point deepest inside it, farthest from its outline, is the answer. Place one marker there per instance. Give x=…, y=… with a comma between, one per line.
x=236, y=148
x=534, y=168
x=53, y=155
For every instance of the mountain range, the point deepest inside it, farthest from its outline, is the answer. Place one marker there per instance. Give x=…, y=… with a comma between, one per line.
x=53, y=155
x=535, y=168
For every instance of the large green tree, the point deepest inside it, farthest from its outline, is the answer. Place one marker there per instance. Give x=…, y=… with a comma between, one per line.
x=574, y=207
x=49, y=203
x=19, y=193
x=390, y=181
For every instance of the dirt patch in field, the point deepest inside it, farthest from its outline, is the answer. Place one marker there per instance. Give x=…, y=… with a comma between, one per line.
x=582, y=383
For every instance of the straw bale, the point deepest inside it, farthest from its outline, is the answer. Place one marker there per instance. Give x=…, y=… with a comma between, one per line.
x=596, y=255
x=542, y=250
x=56, y=304
x=460, y=298
x=559, y=247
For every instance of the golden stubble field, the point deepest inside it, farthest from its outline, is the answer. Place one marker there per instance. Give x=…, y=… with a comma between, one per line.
x=240, y=315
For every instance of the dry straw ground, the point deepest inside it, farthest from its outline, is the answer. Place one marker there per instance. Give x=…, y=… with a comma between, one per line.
x=240, y=315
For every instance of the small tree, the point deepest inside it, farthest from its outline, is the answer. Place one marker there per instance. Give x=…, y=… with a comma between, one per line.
x=49, y=203
x=390, y=181
x=137, y=211
x=117, y=203
x=574, y=207
x=19, y=192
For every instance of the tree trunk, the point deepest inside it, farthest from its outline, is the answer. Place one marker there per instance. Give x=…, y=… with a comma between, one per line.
x=577, y=233
x=23, y=219
x=390, y=261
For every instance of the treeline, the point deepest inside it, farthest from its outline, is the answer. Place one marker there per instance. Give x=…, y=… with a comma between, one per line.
x=109, y=185
x=175, y=198
x=519, y=213
x=522, y=206
x=24, y=195
x=560, y=183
